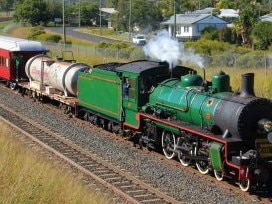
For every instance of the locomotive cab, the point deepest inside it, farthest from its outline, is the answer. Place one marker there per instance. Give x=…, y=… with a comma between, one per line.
x=143, y=76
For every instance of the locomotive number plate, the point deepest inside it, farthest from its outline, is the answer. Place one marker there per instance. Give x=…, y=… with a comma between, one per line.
x=264, y=148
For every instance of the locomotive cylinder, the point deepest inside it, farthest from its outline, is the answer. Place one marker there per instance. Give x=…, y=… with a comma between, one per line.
x=61, y=75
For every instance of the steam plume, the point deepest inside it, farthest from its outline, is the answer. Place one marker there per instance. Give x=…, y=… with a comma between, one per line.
x=164, y=48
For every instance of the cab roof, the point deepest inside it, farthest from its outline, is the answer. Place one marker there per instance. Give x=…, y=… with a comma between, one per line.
x=17, y=44
x=139, y=66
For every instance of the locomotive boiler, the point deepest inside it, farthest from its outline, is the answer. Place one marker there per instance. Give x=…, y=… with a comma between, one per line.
x=218, y=129
x=59, y=74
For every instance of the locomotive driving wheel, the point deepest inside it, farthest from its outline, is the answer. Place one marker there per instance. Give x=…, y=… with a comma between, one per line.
x=244, y=184
x=168, y=144
x=219, y=175
x=183, y=160
x=202, y=165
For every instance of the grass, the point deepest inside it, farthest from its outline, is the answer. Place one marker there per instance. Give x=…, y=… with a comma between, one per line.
x=262, y=80
x=27, y=178
x=109, y=33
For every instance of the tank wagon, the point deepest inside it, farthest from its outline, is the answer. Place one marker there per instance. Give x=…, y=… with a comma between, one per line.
x=59, y=74
x=177, y=111
x=53, y=80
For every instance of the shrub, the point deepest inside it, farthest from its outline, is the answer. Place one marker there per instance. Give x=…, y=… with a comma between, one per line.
x=49, y=38
x=35, y=32
x=137, y=54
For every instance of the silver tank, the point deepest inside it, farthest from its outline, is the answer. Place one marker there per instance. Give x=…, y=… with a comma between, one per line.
x=60, y=75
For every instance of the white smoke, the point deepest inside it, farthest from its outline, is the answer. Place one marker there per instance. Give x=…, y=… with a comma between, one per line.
x=164, y=48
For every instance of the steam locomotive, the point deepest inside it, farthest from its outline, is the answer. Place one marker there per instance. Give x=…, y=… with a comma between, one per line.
x=176, y=111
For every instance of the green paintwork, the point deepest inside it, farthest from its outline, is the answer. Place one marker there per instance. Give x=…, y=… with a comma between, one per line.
x=101, y=91
x=191, y=80
x=221, y=82
x=215, y=156
x=142, y=75
x=186, y=104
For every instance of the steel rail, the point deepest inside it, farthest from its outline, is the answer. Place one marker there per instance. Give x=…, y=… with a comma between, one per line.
x=116, y=180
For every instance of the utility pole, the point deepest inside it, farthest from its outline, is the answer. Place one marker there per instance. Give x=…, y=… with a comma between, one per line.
x=175, y=20
x=63, y=23
x=129, y=20
x=100, y=17
x=79, y=13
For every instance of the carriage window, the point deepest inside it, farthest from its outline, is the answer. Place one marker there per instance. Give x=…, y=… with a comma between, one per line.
x=4, y=61
x=7, y=62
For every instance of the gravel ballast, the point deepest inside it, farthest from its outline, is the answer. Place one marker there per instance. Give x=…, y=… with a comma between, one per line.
x=180, y=184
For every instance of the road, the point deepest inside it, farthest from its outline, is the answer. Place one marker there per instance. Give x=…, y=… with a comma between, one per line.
x=71, y=31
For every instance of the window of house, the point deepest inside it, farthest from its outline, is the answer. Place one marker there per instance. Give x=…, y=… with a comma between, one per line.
x=186, y=29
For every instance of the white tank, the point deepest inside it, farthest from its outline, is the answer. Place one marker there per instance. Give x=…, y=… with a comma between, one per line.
x=60, y=75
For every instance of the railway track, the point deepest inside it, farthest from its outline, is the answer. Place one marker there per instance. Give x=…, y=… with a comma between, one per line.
x=116, y=180
x=259, y=198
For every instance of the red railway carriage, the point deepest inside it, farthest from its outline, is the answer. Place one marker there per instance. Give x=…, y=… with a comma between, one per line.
x=14, y=53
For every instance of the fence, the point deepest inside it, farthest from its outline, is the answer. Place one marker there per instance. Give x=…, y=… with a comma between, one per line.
x=226, y=60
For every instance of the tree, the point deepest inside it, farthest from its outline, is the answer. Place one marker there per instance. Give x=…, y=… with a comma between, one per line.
x=144, y=14
x=33, y=12
x=210, y=33
x=6, y=5
x=55, y=9
x=89, y=13
x=262, y=35
x=248, y=18
x=227, y=34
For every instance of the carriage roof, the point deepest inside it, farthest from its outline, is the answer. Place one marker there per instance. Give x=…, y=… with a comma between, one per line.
x=18, y=44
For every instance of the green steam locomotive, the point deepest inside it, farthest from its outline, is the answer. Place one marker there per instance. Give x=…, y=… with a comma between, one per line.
x=178, y=112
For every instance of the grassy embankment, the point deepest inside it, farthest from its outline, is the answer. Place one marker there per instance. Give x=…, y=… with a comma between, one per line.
x=28, y=178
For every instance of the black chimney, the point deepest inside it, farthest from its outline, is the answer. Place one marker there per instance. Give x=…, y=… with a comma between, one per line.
x=247, y=89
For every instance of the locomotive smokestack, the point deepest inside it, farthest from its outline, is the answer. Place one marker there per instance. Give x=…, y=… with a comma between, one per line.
x=247, y=89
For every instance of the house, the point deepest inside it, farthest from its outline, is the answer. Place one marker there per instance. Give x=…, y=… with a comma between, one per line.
x=107, y=13
x=190, y=25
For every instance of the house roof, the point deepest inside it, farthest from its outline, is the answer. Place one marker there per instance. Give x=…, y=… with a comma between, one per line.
x=109, y=10
x=267, y=17
x=228, y=13
x=208, y=10
x=190, y=18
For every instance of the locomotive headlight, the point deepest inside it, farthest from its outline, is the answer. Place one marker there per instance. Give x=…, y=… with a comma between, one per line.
x=268, y=126
x=265, y=125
